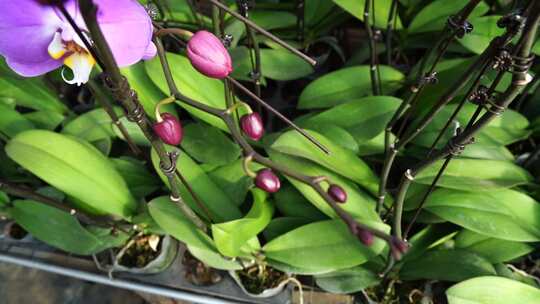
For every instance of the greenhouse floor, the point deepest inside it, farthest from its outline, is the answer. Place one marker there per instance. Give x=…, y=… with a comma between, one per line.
x=21, y=285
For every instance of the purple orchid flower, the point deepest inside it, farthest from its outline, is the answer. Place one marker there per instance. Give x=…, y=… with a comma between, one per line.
x=35, y=38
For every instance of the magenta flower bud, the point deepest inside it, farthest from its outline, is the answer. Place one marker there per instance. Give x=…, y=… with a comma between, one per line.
x=398, y=248
x=208, y=55
x=365, y=237
x=267, y=181
x=252, y=125
x=337, y=193
x=169, y=129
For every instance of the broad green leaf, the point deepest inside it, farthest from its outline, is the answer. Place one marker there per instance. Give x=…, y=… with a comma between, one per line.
x=4, y=199
x=230, y=236
x=364, y=118
x=427, y=238
x=91, y=126
x=54, y=227
x=359, y=204
x=208, y=144
x=45, y=119
x=276, y=64
x=433, y=17
x=492, y=290
x=339, y=135
x=133, y=130
x=232, y=179
x=513, y=273
x=149, y=95
x=382, y=10
x=323, y=245
x=291, y=203
x=485, y=29
x=172, y=220
x=213, y=259
x=505, y=129
x=74, y=167
x=12, y=122
x=140, y=182
x=220, y=207
x=282, y=225
x=340, y=160
x=446, y=265
x=347, y=280
x=316, y=10
x=272, y=19
x=345, y=85
x=476, y=175
x=372, y=146
x=28, y=92
x=502, y=214
x=190, y=82
x=495, y=250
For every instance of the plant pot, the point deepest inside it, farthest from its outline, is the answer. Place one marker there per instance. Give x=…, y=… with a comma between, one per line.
x=167, y=254
x=267, y=293
x=11, y=231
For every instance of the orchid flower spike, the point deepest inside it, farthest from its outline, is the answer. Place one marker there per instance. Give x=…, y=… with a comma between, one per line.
x=35, y=38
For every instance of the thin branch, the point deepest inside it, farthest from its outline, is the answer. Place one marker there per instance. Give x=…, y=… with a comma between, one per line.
x=264, y=32
x=392, y=17
x=374, y=76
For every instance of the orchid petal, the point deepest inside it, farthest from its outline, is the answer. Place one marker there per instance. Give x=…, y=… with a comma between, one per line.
x=56, y=48
x=81, y=64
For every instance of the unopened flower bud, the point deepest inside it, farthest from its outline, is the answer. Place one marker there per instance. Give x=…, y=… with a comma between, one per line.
x=398, y=248
x=208, y=55
x=365, y=237
x=337, y=193
x=267, y=181
x=169, y=129
x=252, y=125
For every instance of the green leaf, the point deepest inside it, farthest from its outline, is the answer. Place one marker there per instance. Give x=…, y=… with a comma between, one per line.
x=231, y=236
x=74, y=167
x=505, y=129
x=220, y=207
x=28, y=92
x=364, y=118
x=339, y=160
x=133, y=130
x=476, y=175
x=91, y=126
x=359, y=204
x=323, y=245
x=232, y=179
x=316, y=10
x=140, y=182
x=427, y=238
x=278, y=64
x=12, y=122
x=485, y=29
x=45, y=119
x=291, y=203
x=282, y=225
x=209, y=145
x=149, y=94
x=172, y=220
x=433, y=17
x=382, y=10
x=446, y=265
x=190, y=82
x=492, y=290
x=503, y=214
x=347, y=280
x=339, y=135
x=54, y=227
x=345, y=85
x=495, y=250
